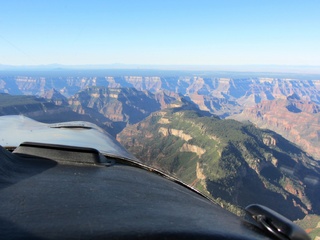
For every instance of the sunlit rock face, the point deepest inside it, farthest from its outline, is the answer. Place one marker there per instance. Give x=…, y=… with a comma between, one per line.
x=120, y=105
x=296, y=119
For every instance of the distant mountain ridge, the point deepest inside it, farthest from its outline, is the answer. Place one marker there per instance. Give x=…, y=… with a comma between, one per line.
x=219, y=95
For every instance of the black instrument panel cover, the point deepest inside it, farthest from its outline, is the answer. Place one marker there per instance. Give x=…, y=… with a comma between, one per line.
x=44, y=199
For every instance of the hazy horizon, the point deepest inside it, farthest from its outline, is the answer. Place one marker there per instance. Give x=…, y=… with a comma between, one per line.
x=298, y=69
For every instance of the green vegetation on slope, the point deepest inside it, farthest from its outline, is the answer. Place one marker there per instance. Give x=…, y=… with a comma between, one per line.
x=232, y=162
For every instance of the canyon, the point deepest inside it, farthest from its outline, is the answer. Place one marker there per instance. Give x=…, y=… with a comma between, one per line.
x=287, y=104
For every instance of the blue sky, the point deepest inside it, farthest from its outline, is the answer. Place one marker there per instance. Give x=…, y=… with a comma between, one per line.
x=163, y=32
